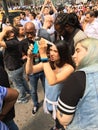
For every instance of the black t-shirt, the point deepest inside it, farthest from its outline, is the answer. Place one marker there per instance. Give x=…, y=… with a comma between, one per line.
x=4, y=81
x=1, y=59
x=13, y=55
x=25, y=45
x=72, y=92
x=24, y=48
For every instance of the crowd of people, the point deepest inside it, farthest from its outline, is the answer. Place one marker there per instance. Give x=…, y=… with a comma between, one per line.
x=60, y=48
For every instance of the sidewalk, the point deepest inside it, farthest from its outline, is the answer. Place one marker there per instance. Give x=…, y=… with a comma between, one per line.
x=26, y=121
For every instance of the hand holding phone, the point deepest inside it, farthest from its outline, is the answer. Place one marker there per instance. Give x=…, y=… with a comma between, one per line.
x=48, y=42
x=35, y=49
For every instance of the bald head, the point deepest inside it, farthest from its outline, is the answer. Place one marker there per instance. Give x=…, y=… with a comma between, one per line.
x=48, y=18
x=29, y=25
x=30, y=30
x=48, y=21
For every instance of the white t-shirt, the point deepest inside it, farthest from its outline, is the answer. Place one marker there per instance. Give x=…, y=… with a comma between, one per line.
x=91, y=29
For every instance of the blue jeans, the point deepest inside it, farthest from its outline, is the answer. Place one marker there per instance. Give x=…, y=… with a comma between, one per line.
x=11, y=125
x=19, y=82
x=34, y=84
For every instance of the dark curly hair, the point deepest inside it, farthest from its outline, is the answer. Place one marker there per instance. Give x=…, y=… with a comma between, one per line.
x=67, y=18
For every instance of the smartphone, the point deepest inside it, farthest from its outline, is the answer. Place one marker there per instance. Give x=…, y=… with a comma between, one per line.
x=48, y=42
x=35, y=49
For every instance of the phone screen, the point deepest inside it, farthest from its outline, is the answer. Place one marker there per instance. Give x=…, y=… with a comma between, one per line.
x=35, y=49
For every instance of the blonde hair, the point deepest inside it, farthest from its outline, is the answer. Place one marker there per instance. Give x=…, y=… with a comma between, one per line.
x=15, y=20
x=91, y=45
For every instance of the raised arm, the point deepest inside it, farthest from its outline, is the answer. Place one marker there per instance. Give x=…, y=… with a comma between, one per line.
x=2, y=43
x=51, y=75
x=2, y=35
x=53, y=7
x=45, y=3
x=30, y=68
x=48, y=3
x=54, y=78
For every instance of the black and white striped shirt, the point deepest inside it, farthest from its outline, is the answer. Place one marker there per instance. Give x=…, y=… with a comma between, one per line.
x=73, y=89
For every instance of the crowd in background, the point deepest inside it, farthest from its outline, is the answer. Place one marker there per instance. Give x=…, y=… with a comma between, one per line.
x=62, y=31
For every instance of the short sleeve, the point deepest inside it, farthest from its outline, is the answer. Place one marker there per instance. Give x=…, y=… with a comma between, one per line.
x=12, y=43
x=3, y=92
x=3, y=126
x=72, y=91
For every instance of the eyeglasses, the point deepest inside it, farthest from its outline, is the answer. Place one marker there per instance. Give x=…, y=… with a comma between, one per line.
x=31, y=33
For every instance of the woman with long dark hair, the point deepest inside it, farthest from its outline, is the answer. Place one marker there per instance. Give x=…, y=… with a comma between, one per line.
x=57, y=66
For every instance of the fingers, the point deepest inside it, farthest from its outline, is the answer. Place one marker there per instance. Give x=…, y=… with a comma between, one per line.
x=7, y=28
x=42, y=42
x=31, y=47
x=29, y=52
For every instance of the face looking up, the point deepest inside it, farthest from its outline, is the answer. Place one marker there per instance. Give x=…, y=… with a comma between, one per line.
x=46, y=11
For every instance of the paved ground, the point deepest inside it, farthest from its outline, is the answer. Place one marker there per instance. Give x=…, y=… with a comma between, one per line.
x=26, y=121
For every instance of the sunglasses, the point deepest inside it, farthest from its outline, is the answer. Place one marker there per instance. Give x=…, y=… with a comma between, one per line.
x=31, y=33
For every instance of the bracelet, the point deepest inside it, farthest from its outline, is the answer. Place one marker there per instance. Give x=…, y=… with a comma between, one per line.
x=44, y=60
